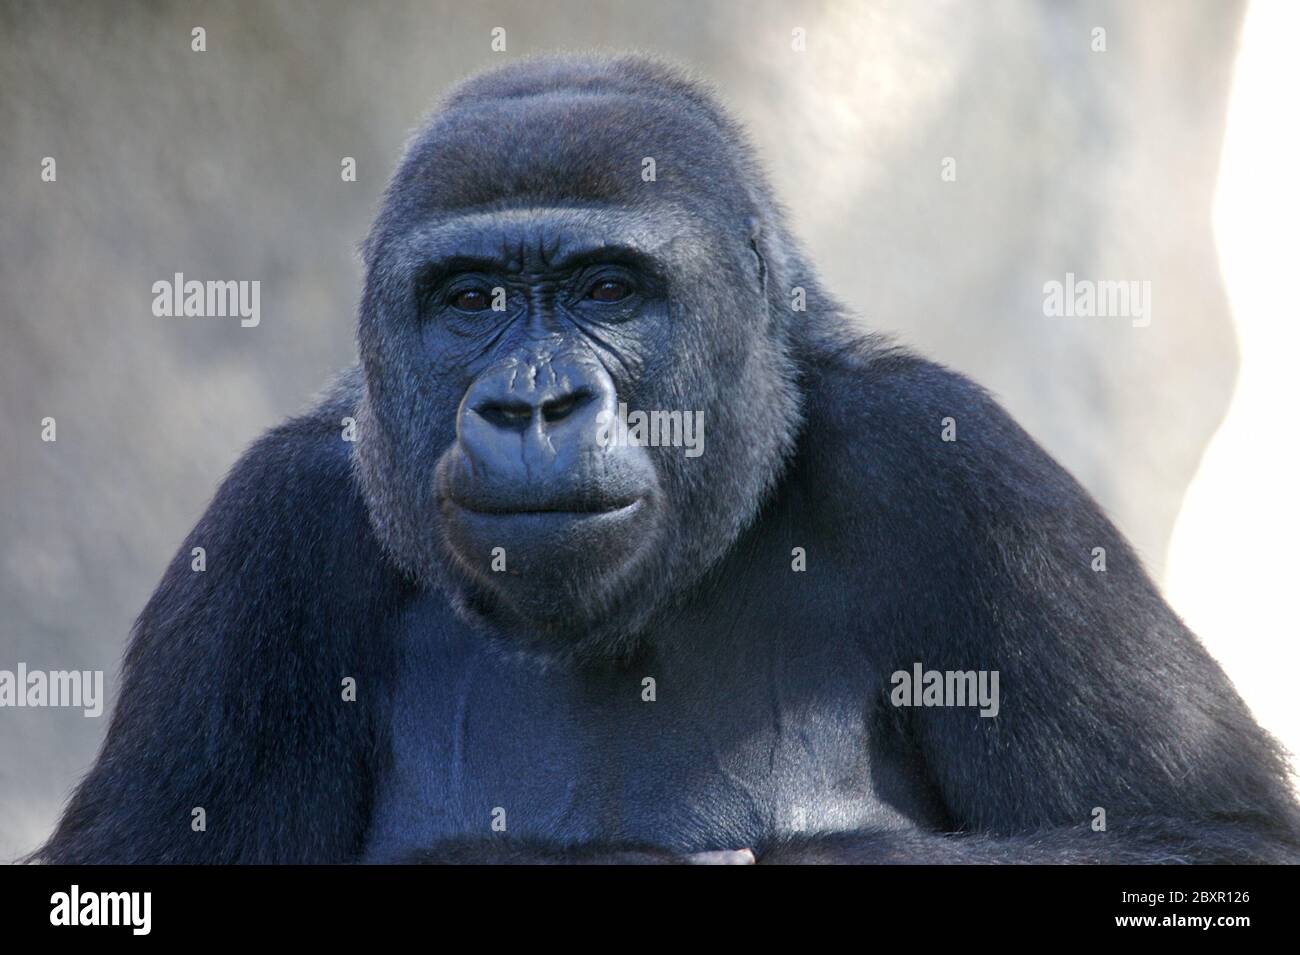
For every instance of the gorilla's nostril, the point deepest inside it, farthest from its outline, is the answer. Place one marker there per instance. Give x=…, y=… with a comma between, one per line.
x=514, y=415
x=557, y=409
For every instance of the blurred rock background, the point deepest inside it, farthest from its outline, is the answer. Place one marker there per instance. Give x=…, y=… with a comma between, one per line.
x=226, y=164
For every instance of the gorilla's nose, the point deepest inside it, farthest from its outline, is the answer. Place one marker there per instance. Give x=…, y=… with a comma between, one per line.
x=528, y=434
x=502, y=409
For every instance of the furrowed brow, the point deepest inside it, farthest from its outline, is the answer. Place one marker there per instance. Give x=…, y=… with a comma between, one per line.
x=617, y=253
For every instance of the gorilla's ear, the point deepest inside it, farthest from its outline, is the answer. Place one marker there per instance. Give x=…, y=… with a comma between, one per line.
x=756, y=230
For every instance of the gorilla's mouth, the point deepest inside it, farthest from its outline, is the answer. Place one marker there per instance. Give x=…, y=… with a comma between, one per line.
x=573, y=510
x=564, y=526
x=545, y=560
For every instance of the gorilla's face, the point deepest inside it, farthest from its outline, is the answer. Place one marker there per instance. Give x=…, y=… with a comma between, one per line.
x=546, y=326
x=509, y=327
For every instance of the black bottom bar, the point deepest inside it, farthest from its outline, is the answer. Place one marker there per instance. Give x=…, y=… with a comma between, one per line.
x=367, y=903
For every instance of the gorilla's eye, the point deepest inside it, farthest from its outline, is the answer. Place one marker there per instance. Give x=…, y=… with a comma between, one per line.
x=470, y=300
x=609, y=290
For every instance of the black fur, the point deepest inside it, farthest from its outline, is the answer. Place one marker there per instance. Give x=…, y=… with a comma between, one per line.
x=233, y=679
x=522, y=694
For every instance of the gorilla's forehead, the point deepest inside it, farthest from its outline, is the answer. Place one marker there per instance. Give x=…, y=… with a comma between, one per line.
x=565, y=148
x=555, y=237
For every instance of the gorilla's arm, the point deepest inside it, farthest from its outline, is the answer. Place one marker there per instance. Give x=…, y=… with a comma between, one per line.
x=1135, y=841
x=231, y=698
x=504, y=850
x=1107, y=700
x=501, y=850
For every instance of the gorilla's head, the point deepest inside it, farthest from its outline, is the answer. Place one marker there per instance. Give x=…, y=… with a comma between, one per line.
x=564, y=237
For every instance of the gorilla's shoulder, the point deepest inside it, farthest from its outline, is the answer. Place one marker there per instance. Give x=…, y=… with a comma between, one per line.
x=882, y=422
x=291, y=505
x=306, y=459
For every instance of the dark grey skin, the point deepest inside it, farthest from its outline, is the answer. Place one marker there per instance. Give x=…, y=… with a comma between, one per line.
x=517, y=695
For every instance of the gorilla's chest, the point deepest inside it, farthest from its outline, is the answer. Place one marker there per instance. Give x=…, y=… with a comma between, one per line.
x=718, y=748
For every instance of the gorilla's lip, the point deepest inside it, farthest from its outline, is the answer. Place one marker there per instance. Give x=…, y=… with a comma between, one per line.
x=560, y=509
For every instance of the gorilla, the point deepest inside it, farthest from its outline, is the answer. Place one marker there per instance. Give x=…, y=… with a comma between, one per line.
x=469, y=609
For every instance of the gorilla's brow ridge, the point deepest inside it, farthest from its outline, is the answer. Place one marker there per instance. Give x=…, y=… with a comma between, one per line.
x=465, y=244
